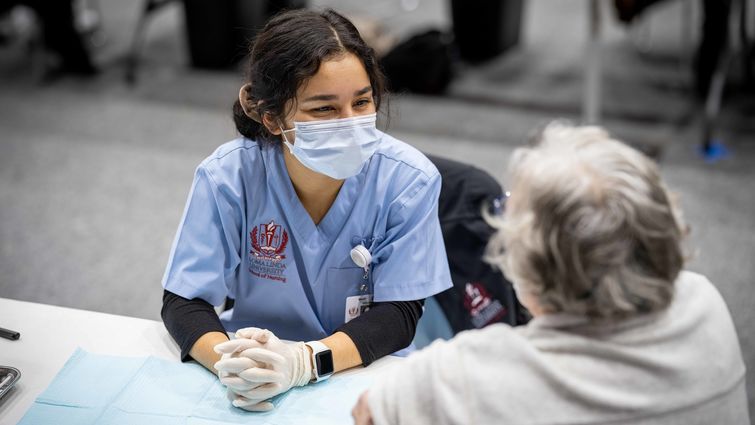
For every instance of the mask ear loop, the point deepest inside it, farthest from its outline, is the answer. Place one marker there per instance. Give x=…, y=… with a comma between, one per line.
x=288, y=144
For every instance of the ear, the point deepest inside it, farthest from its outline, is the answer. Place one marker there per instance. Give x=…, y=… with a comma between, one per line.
x=271, y=124
x=249, y=107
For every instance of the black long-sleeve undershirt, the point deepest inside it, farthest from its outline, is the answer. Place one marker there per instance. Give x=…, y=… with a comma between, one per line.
x=187, y=320
x=383, y=329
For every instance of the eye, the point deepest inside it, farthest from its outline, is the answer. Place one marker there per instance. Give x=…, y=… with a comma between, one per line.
x=362, y=102
x=322, y=109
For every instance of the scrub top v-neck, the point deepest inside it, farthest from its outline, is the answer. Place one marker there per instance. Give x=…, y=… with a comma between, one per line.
x=245, y=235
x=279, y=179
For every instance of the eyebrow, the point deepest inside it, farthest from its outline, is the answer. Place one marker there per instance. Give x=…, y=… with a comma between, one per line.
x=363, y=91
x=326, y=97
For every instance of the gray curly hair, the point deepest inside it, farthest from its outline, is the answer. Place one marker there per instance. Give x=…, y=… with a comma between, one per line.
x=590, y=228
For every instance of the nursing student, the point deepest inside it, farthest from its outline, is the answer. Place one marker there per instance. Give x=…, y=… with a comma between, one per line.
x=322, y=229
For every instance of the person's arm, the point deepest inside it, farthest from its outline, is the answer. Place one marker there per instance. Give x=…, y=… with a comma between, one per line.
x=345, y=352
x=408, y=263
x=202, y=350
x=383, y=329
x=428, y=387
x=195, y=326
x=202, y=265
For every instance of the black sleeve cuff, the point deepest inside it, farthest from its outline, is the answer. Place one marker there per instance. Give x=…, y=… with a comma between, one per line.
x=187, y=320
x=384, y=329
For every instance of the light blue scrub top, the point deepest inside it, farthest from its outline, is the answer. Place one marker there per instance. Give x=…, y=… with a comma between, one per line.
x=245, y=235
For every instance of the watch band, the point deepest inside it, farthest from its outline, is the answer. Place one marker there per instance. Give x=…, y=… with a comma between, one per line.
x=322, y=360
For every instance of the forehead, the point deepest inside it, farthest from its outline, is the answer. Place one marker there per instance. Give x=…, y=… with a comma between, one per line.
x=342, y=76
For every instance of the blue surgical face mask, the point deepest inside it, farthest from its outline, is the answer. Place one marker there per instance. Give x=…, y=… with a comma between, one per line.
x=337, y=148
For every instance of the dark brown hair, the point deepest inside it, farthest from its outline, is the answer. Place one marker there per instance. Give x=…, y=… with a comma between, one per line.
x=288, y=52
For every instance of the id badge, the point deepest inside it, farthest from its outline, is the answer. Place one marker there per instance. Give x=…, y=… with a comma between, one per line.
x=357, y=305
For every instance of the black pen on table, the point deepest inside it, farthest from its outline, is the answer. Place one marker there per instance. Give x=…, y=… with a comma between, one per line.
x=9, y=334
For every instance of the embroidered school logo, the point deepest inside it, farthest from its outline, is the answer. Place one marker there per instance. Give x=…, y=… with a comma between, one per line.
x=268, y=243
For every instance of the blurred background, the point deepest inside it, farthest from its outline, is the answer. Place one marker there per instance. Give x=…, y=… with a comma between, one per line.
x=107, y=106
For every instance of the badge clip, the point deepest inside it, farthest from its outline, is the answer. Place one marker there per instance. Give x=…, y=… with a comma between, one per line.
x=361, y=257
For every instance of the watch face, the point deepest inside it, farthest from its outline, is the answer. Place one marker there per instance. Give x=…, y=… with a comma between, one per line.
x=324, y=361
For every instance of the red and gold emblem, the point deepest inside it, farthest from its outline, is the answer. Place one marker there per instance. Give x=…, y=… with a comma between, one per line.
x=269, y=241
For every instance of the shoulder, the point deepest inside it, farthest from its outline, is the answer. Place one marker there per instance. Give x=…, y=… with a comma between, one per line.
x=400, y=156
x=699, y=308
x=475, y=366
x=402, y=173
x=494, y=343
x=231, y=159
x=694, y=294
x=494, y=346
x=690, y=283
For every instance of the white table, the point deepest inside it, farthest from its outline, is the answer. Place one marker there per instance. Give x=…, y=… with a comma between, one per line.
x=50, y=334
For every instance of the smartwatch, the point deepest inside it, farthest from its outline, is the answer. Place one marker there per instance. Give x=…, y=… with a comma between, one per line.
x=322, y=360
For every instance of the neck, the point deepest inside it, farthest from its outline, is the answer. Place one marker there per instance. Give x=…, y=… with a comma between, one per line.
x=316, y=191
x=530, y=302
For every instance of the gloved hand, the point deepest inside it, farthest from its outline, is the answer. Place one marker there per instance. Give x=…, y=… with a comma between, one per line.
x=229, y=366
x=279, y=367
x=231, y=362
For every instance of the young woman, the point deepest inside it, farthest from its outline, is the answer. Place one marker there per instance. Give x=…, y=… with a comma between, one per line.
x=319, y=227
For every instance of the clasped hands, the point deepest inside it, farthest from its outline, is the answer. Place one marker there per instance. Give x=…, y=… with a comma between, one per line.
x=257, y=366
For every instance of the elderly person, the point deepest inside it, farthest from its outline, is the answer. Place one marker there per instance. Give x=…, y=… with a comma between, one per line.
x=620, y=333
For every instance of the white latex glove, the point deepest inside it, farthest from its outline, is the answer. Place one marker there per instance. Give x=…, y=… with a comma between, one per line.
x=235, y=383
x=231, y=364
x=281, y=366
